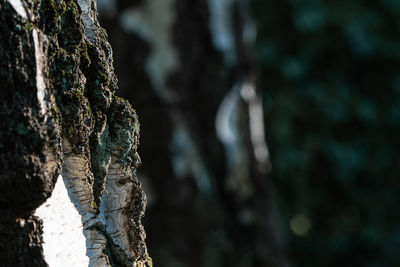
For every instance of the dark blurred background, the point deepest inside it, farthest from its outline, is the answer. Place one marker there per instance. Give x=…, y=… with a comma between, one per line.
x=326, y=76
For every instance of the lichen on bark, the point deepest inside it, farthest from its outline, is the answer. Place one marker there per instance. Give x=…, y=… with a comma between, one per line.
x=59, y=112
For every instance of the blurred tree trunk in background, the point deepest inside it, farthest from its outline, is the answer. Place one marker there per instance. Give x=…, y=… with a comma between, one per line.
x=188, y=65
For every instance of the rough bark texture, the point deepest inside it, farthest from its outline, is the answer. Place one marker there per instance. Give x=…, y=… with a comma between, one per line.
x=202, y=128
x=58, y=111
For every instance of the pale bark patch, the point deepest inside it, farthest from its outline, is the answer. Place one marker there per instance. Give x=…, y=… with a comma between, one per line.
x=88, y=19
x=38, y=40
x=64, y=242
x=117, y=196
x=19, y=8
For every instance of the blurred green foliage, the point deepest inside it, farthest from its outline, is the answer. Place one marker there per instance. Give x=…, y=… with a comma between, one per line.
x=330, y=75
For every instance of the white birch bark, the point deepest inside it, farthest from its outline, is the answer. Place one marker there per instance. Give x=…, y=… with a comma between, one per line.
x=76, y=176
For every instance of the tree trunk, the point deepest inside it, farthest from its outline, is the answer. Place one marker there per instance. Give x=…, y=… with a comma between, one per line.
x=59, y=113
x=189, y=67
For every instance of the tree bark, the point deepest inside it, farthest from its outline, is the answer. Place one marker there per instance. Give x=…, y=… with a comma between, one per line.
x=59, y=113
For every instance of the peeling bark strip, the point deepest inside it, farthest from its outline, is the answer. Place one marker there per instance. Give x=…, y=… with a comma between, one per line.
x=58, y=111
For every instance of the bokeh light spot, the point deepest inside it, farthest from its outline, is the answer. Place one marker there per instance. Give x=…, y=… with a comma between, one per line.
x=300, y=224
